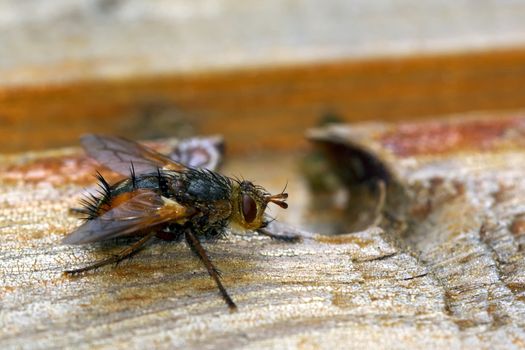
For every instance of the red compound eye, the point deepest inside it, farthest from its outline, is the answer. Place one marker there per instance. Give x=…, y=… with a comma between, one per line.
x=249, y=208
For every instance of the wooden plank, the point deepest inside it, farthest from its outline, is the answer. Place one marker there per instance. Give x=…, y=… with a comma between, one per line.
x=454, y=186
x=262, y=109
x=447, y=272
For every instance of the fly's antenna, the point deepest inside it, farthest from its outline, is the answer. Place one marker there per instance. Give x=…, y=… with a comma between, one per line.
x=280, y=198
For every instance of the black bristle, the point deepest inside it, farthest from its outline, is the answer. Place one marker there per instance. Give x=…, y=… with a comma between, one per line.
x=89, y=206
x=103, y=184
x=161, y=181
x=223, y=180
x=133, y=177
x=91, y=203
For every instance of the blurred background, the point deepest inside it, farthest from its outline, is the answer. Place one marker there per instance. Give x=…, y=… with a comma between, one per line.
x=259, y=73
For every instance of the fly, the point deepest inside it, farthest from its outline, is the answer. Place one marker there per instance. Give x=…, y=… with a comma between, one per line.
x=161, y=197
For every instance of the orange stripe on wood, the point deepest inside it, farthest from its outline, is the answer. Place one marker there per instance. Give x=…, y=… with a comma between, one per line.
x=262, y=109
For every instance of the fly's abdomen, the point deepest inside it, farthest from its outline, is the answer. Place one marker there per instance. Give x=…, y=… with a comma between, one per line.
x=110, y=197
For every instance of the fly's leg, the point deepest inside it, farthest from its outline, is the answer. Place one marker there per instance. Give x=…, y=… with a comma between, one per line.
x=116, y=258
x=285, y=238
x=197, y=248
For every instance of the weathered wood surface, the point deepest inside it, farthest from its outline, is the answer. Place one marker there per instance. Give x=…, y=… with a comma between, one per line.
x=457, y=186
x=447, y=273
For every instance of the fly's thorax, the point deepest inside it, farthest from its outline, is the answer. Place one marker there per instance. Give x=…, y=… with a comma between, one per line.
x=248, y=203
x=201, y=185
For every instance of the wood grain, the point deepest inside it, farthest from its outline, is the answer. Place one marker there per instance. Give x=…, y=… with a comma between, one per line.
x=443, y=270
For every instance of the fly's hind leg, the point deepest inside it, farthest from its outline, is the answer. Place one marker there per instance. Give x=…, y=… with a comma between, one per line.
x=126, y=253
x=197, y=248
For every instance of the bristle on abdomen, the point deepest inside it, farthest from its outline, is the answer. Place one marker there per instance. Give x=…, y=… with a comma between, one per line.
x=92, y=204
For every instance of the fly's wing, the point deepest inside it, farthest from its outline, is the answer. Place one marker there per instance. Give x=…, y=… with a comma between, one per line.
x=144, y=210
x=199, y=152
x=118, y=154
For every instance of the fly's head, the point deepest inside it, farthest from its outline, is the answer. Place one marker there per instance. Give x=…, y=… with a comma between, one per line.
x=249, y=204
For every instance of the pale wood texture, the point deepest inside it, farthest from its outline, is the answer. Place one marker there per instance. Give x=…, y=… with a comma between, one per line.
x=457, y=188
x=447, y=274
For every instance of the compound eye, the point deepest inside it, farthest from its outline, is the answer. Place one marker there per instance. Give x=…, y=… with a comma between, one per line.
x=249, y=208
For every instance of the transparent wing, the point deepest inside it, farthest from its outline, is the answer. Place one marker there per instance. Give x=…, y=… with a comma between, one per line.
x=144, y=210
x=199, y=152
x=118, y=154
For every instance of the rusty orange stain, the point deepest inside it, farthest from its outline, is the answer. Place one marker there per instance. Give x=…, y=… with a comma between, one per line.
x=64, y=167
x=518, y=225
x=438, y=137
x=71, y=169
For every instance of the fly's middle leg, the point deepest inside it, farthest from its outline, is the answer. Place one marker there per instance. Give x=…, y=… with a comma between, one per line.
x=197, y=248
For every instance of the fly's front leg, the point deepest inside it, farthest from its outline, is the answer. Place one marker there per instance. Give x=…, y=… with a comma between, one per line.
x=126, y=253
x=284, y=238
x=279, y=231
x=197, y=248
